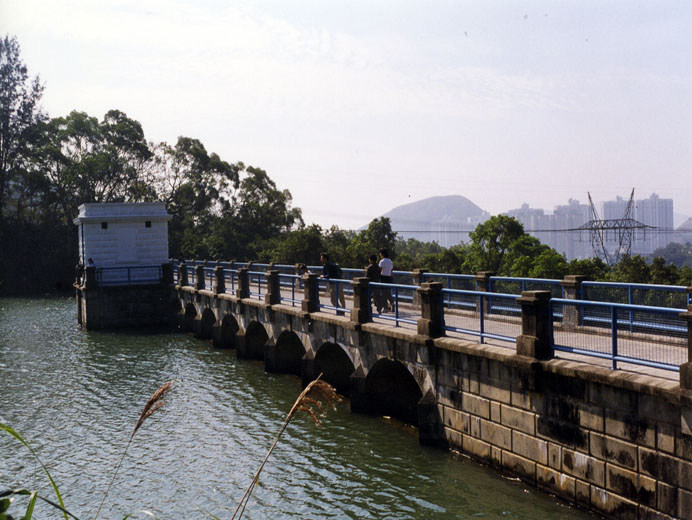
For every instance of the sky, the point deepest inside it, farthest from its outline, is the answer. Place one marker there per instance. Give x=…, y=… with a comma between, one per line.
x=360, y=106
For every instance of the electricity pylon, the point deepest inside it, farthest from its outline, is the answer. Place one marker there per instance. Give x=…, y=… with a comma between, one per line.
x=620, y=229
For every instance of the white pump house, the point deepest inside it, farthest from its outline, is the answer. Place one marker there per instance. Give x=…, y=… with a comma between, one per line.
x=123, y=240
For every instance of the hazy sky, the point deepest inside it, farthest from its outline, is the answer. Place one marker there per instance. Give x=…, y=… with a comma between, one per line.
x=360, y=106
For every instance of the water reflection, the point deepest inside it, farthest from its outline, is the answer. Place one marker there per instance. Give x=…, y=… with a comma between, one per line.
x=76, y=396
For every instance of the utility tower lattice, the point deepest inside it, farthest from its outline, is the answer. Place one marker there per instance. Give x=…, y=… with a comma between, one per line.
x=621, y=231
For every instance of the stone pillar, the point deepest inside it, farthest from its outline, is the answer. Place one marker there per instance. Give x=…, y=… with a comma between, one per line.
x=360, y=402
x=417, y=276
x=307, y=368
x=430, y=425
x=483, y=285
x=534, y=340
x=273, y=295
x=686, y=368
x=243, y=290
x=182, y=275
x=360, y=313
x=431, y=322
x=571, y=286
x=311, y=295
x=199, y=277
x=219, y=280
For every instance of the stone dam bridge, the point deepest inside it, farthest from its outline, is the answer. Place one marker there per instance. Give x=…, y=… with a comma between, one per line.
x=613, y=441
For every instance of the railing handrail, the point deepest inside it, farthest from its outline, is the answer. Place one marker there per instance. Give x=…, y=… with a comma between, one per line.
x=623, y=306
x=672, y=288
x=548, y=281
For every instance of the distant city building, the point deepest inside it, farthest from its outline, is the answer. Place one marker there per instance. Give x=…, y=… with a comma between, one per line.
x=551, y=229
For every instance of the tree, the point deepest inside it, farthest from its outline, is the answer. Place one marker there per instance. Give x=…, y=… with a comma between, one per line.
x=491, y=241
x=20, y=116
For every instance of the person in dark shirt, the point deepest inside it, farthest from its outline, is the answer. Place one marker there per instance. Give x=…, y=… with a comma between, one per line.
x=332, y=271
x=372, y=271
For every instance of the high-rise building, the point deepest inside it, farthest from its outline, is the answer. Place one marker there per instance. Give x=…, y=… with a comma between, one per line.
x=657, y=212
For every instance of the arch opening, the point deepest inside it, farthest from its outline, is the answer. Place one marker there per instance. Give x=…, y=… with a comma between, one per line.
x=393, y=391
x=206, y=324
x=289, y=353
x=189, y=316
x=253, y=341
x=336, y=367
x=224, y=335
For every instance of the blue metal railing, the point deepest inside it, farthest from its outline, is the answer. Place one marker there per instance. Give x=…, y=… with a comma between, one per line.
x=481, y=303
x=338, y=285
x=294, y=282
x=619, y=331
x=637, y=334
x=398, y=295
x=132, y=275
x=257, y=279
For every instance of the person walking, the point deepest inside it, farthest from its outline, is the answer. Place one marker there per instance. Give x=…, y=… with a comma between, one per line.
x=330, y=270
x=372, y=271
x=386, y=268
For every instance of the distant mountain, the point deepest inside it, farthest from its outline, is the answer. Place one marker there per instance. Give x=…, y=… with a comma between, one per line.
x=445, y=220
x=687, y=225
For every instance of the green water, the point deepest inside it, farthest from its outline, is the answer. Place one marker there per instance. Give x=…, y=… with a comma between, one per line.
x=77, y=396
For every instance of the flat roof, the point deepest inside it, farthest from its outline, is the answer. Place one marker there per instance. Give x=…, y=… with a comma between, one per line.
x=122, y=211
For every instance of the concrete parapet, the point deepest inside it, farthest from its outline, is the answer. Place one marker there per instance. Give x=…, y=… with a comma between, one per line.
x=311, y=296
x=243, y=290
x=534, y=340
x=361, y=310
x=431, y=322
x=273, y=295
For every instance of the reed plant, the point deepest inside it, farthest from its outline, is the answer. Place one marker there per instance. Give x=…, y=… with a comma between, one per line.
x=154, y=403
x=315, y=400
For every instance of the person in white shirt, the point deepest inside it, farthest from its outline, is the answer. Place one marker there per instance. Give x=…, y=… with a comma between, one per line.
x=386, y=267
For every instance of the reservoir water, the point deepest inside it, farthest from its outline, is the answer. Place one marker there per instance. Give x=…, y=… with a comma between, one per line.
x=76, y=396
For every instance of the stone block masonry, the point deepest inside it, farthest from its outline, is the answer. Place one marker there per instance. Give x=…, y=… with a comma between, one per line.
x=610, y=441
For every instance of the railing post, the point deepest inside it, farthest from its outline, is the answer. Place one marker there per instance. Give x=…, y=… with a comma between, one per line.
x=199, y=277
x=483, y=285
x=243, y=290
x=219, y=280
x=534, y=340
x=571, y=288
x=417, y=276
x=311, y=296
x=686, y=368
x=360, y=313
x=431, y=322
x=182, y=275
x=273, y=295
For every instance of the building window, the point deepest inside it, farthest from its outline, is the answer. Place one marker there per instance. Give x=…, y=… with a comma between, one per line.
x=147, y=223
x=104, y=225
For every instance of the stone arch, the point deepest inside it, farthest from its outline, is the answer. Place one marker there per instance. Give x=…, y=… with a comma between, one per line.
x=286, y=355
x=189, y=316
x=393, y=391
x=205, y=325
x=250, y=343
x=335, y=365
x=225, y=333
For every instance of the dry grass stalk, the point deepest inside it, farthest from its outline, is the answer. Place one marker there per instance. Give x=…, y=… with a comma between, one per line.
x=317, y=396
x=154, y=403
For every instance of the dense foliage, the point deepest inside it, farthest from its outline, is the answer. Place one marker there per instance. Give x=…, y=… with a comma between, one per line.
x=221, y=210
